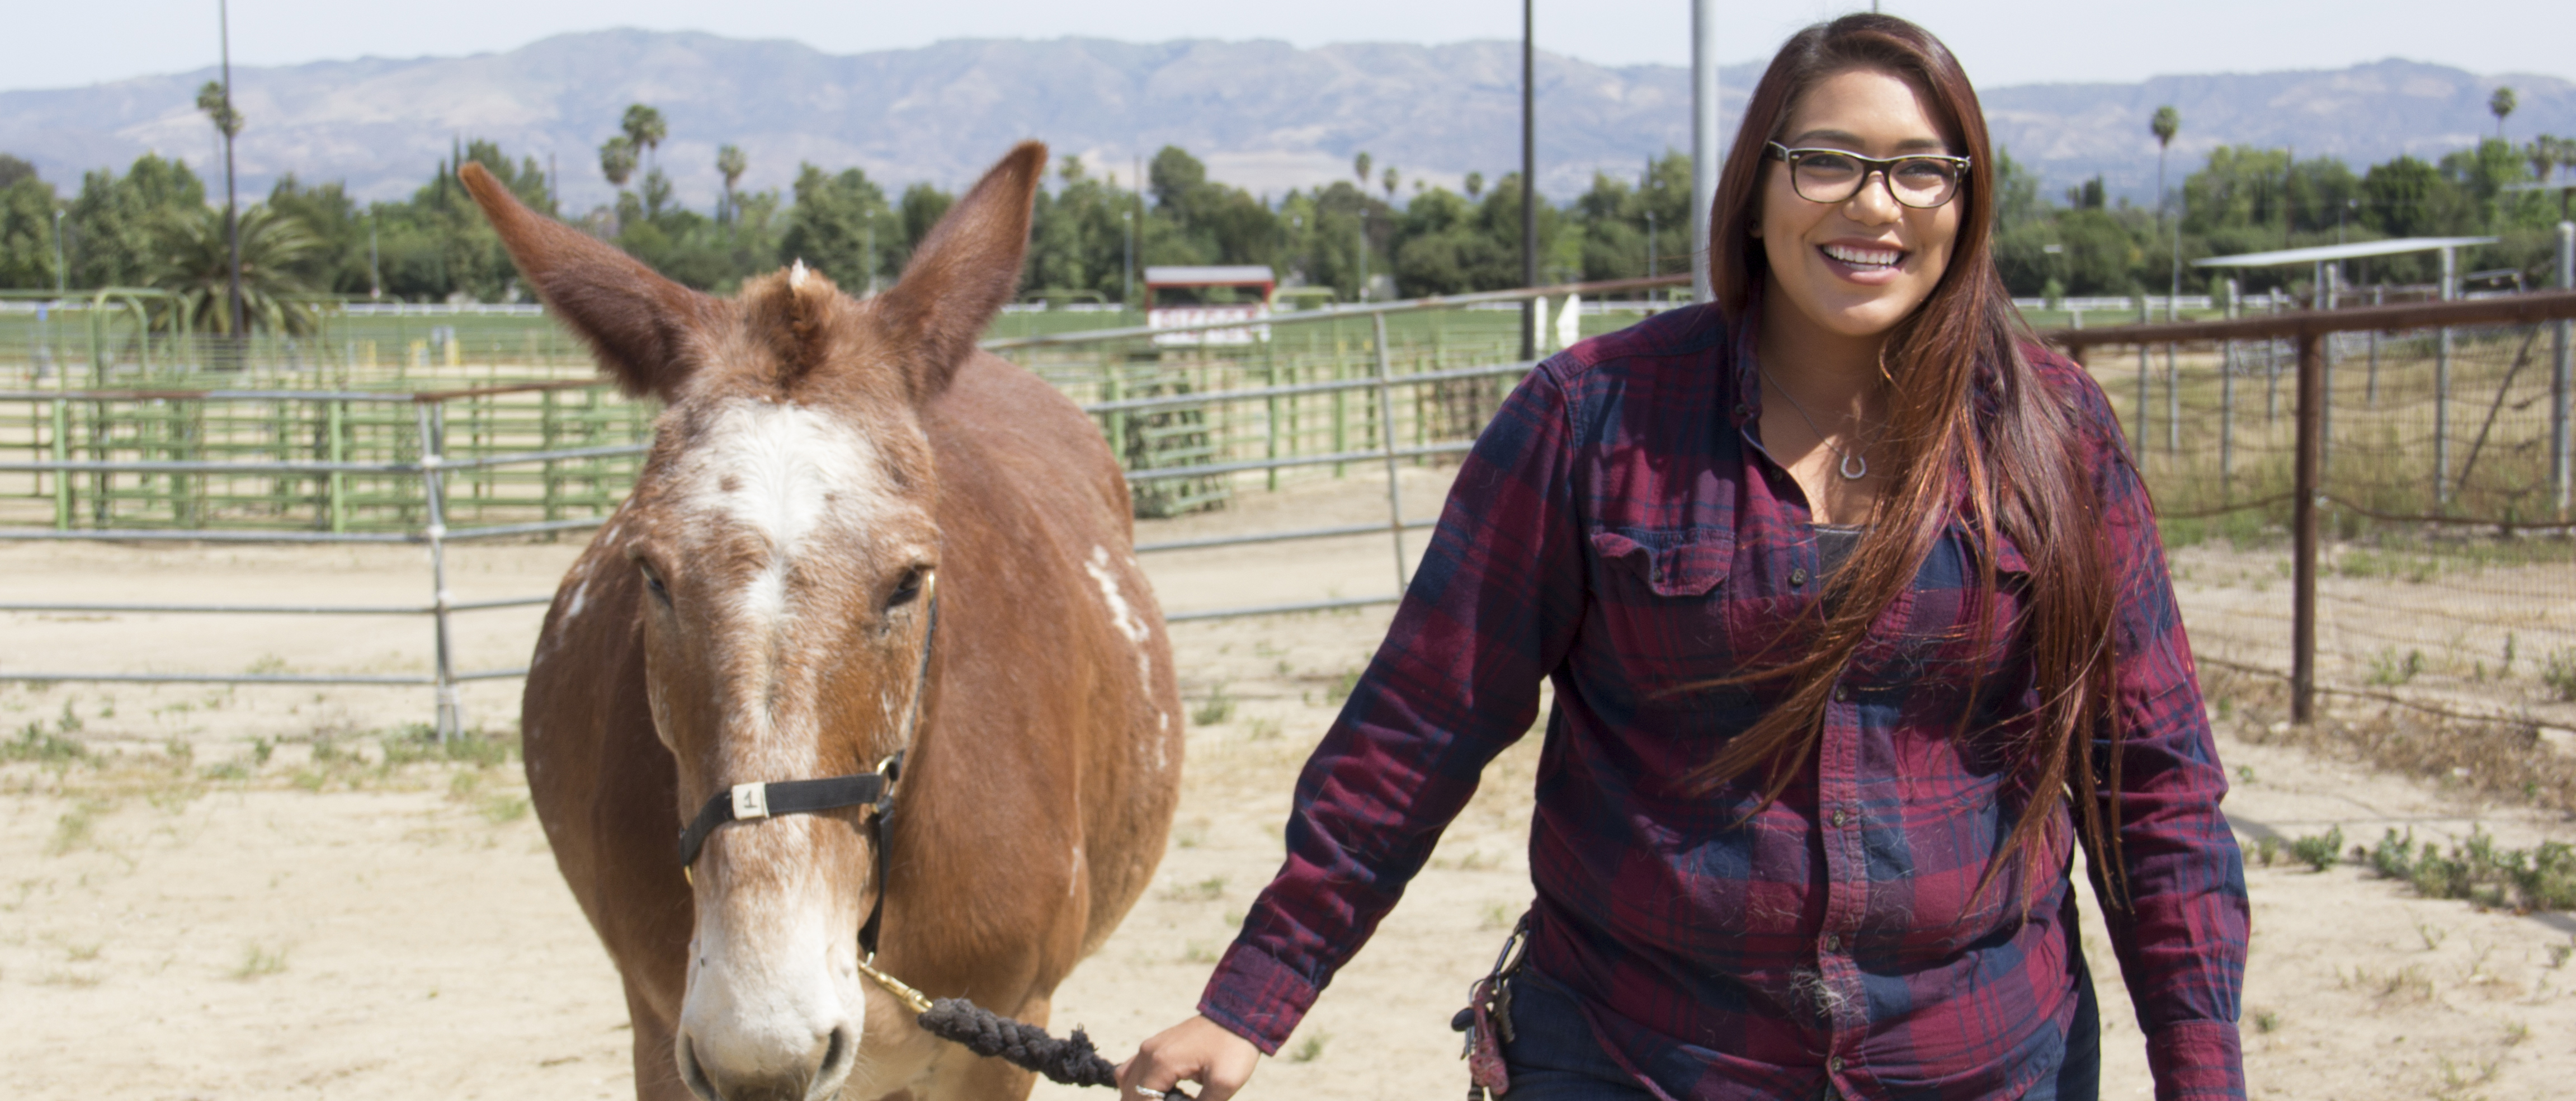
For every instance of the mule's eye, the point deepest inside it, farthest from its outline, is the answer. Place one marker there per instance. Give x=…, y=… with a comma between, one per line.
x=653, y=581
x=907, y=590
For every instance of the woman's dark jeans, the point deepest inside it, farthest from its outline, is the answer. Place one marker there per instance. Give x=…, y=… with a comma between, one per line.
x=1553, y=1057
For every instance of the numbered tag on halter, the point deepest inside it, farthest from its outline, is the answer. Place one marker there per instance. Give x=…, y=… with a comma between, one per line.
x=750, y=801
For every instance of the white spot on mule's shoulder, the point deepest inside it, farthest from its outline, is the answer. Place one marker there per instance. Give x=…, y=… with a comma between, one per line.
x=580, y=597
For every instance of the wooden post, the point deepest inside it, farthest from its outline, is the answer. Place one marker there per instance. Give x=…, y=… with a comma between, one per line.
x=1386, y=442
x=2303, y=513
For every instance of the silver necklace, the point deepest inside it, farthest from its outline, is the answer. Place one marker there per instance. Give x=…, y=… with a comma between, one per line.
x=1845, y=467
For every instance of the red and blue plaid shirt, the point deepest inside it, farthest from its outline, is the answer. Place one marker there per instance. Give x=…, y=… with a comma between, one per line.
x=1618, y=530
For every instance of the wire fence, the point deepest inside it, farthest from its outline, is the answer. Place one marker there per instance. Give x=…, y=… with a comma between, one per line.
x=2368, y=503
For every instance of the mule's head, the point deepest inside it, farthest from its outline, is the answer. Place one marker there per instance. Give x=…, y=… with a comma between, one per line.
x=784, y=540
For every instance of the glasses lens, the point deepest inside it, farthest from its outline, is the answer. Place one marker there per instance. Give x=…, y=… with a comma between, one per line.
x=1923, y=181
x=1826, y=177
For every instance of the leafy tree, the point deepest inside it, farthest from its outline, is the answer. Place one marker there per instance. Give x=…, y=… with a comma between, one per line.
x=109, y=228
x=27, y=207
x=337, y=262
x=2500, y=104
x=839, y=226
x=731, y=164
x=617, y=160
x=219, y=109
x=1475, y=182
x=922, y=207
x=194, y=261
x=644, y=128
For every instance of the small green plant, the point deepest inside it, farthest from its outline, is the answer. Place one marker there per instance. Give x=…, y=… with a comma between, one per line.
x=2244, y=774
x=259, y=961
x=2267, y=1021
x=2432, y=935
x=1198, y=951
x=35, y=743
x=2558, y=671
x=1344, y=684
x=266, y=665
x=1261, y=728
x=2319, y=853
x=1205, y=890
x=70, y=723
x=2267, y=850
x=260, y=749
x=2389, y=670
x=2541, y=878
x=1218, y=708
x=1308, y=1049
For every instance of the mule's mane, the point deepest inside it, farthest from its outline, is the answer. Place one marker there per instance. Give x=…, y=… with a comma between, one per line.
x=793, y=315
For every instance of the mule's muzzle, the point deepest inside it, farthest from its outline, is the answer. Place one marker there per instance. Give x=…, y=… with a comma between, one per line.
x=816, y=1074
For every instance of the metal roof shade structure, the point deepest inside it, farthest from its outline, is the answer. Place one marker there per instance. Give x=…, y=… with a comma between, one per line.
x=2327, y=254
x=1222, y=276
x=2324, y=256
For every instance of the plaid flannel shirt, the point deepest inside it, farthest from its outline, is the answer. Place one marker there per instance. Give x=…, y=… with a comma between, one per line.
x=1618, y=530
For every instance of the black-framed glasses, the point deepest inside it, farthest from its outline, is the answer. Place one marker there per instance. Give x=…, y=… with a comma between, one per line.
x=1919, y=180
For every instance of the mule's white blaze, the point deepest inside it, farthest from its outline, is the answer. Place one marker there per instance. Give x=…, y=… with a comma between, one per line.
x=781, y=470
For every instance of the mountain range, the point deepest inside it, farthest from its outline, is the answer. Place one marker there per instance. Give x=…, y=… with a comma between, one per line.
x=1264, y=115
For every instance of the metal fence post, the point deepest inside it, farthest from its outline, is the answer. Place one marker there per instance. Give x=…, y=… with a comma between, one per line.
x=2138, y=439
x=433, y=428
x=2370, y=389
x=2325, y=297
x=2303, y=512
x=335, y=427
x=2227, y=407
x=2562, y=374
x=2442, y=387
x=62, y=454
x=1386, y=440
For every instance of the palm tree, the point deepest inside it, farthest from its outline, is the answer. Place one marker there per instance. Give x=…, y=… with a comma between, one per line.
x=643, y=126
x=2501, y=104
x=731, y=162
x=194, y=262
x=1360, y=165
x=1389, y=179
x=2167, y=123
x=1475, y=184
x=617, y=160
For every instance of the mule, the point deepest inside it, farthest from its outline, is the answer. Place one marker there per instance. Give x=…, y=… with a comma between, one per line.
x=830, y=478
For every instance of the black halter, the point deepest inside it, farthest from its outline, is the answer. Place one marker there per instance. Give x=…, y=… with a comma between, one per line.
x=875, y=790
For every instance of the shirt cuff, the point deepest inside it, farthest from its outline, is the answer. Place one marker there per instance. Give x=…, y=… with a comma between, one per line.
x=2198, y=1061
x=1256, y=997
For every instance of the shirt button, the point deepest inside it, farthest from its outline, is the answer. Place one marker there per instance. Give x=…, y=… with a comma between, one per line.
x=1841, y=818
x=1743, y=410
x=1842, y=693
x=1797, y=577
x=1835, y=1064
x=1833, y=943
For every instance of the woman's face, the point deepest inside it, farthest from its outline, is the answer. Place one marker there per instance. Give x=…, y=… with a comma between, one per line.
x=1857, y=267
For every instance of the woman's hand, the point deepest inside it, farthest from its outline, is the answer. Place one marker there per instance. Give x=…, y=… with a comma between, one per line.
x=1195, y=1050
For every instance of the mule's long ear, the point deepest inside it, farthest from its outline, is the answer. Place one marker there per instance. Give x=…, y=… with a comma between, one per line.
x=964, y=271
x=637, y=322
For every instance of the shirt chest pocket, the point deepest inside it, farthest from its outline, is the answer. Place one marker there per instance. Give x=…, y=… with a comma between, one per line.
x=1670, y=564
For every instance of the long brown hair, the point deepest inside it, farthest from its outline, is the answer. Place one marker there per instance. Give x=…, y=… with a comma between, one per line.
x=1970, y=430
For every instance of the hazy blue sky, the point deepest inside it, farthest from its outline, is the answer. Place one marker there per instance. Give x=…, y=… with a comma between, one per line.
x=63, y=44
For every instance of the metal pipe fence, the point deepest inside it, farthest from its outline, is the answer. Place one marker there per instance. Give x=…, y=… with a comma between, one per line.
x=301, y=464
x=2404, y=535
x=355, y=477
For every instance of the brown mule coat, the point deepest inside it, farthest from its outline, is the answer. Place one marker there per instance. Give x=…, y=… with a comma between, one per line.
x=717, y=633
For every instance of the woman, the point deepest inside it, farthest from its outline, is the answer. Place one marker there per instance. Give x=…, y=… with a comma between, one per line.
x=1858, y=623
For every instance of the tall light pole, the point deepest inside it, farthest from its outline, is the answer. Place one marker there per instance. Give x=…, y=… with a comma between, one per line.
x=1704, y=133
x=1529, y=176
x=232, y=207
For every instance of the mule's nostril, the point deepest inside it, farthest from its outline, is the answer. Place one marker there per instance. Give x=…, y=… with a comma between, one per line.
x=691, y=1074
x=839, y=1056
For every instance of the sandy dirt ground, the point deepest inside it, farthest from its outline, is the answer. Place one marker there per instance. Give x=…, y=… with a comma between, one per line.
x=236, y=894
